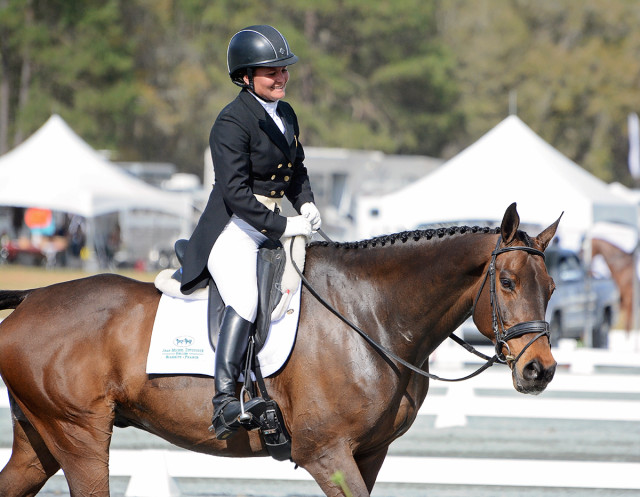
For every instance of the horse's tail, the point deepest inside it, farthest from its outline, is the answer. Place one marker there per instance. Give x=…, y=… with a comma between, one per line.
x=10, y=299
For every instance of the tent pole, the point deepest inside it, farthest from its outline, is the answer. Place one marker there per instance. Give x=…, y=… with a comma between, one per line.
x=635, y=288
x=90, y=263
x=587, y=256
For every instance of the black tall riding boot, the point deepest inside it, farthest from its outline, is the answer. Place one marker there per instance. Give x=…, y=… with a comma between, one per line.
x=232, y=344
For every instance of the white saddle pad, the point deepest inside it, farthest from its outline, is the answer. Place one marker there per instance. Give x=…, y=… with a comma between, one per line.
x=180, y=338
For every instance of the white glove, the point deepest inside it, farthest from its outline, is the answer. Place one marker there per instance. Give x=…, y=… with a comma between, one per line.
x=311, y=212
x=298, y=225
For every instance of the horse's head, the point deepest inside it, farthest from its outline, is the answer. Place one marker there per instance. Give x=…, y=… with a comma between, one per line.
x=511, y=303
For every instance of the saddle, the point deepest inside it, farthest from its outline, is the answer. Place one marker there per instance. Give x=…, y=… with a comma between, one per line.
x=270, y=269
x=271, y=266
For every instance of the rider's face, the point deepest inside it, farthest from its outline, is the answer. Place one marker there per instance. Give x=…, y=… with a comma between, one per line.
x=270, y=83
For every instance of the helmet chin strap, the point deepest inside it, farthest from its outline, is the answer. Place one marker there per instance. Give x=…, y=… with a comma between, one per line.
x=250, y=78
x=240, y=81
x=249, y=86
x=261, y=97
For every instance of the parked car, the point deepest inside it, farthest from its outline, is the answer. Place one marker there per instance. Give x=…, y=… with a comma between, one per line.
x=578, y=303
x=21, y=252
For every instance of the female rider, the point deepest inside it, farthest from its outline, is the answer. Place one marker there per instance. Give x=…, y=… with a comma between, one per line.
x=257, y=160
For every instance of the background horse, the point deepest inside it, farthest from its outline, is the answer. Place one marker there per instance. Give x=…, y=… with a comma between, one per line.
x=73, y=357
x=622, y=269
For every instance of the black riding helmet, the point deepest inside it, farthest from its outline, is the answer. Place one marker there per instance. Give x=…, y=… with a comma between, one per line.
x=257, y=46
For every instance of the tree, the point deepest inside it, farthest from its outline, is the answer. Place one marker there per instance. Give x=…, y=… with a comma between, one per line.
x=374, y=75
x=70, y=57
x=573, y=65
x=16, y=23
x=146, y=78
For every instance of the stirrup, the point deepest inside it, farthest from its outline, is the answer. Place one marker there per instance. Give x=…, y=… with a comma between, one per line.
x=252, y=411
x=245, y=417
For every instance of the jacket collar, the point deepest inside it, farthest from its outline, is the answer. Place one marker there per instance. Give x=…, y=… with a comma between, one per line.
x=287, y=142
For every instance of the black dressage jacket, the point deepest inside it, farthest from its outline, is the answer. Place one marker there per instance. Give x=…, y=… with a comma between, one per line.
x=250, y=156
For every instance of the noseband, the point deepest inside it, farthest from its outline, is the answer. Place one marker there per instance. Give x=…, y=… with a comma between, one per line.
x=541, y=328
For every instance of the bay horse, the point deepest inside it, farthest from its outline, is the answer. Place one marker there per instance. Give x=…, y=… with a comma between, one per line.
x=623, y=272
x=73, y=355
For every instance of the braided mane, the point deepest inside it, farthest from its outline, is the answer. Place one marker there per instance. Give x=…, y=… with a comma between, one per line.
x=405, y=236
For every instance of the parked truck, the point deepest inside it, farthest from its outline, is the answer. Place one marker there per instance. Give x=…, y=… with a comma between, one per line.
x=579, y=304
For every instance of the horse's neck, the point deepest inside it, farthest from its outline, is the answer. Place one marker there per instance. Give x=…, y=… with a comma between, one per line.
x=616, y=259
x=455, y=269
x=418, y=290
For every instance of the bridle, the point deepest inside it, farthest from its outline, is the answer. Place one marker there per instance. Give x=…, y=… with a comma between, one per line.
x=502, y=335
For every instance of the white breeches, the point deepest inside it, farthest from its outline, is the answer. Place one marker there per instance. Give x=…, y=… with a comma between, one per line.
x=233, y=262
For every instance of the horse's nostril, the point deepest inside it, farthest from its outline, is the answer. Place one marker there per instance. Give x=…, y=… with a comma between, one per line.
x=532, y=371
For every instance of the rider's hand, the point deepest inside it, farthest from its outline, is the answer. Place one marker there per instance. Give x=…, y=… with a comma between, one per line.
x=298, y=225
x=311, y=212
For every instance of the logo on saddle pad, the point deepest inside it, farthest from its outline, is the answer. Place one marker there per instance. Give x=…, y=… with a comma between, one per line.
x=185, y=341
x=183, y=347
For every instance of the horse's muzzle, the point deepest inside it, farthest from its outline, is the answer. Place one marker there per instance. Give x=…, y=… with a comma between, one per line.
x=533, y=377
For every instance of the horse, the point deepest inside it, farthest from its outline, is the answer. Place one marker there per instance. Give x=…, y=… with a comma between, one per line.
x=73, y=355
x=622, y=270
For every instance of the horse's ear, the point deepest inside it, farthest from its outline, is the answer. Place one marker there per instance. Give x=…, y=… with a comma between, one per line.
x=510, y=224
x=547, y=235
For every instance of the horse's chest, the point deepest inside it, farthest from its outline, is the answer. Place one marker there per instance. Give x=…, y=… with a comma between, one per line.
x=404, y=418
x=393, y=422
x=409, y=404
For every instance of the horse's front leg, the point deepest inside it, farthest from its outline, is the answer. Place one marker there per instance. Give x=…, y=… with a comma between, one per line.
x=326, y=464
x=370, y=465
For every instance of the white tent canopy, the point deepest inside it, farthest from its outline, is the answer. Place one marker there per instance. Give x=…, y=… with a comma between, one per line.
x=55, y=169
x=508, y=164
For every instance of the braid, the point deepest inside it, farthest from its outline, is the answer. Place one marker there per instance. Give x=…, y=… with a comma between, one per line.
x=405, y=236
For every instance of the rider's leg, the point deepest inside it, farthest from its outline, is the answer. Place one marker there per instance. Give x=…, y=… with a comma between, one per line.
x=232, y=263
x=232, y=345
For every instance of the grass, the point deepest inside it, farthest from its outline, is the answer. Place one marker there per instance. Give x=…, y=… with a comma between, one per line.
x=15, y=277
x=339, y=478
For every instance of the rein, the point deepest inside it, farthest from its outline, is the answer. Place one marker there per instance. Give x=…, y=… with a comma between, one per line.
x=513, y=332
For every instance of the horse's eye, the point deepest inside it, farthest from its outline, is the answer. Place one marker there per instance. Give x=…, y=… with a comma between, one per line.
x=507, y=284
